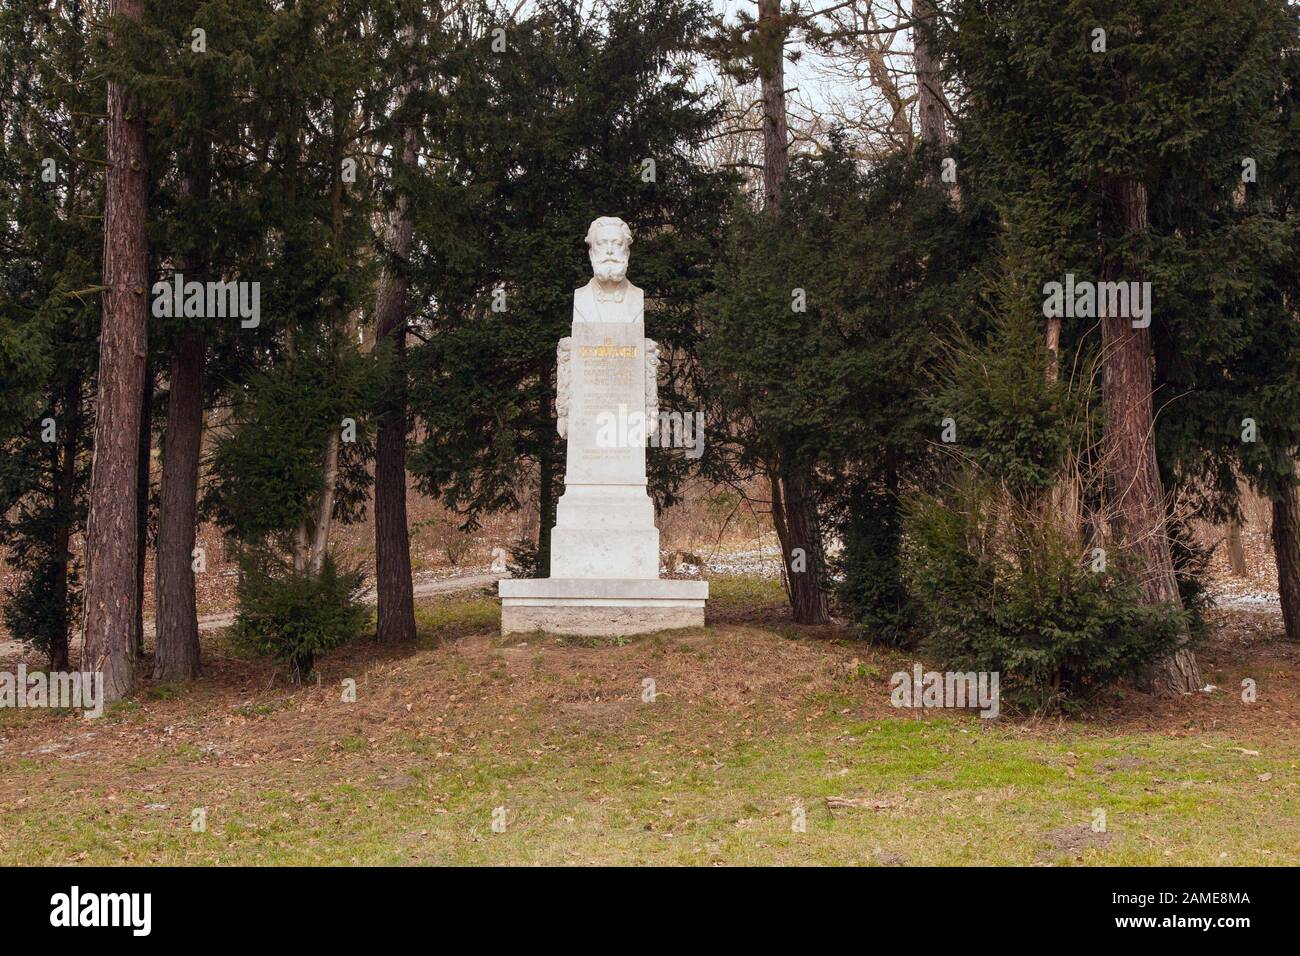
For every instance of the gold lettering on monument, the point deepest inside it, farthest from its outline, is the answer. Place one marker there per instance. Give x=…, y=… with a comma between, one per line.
x=607, y=350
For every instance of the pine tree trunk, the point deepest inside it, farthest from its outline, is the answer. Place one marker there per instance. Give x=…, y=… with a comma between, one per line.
x=65, y=490
x=111, y=520
x=1135, y=490
x=393, y=585
x=396, y=610
x=176, y=613
x=807, y=592
x=325, y=507
x=930, y=103
x=794, y=514
x=529, y=507
x=1053, y=350
x=301, y=546
x=144, y=462
x=340, y=323
x=1236, y=550
x=177, y=654
x=1286, y=547
x=778, y=522
x=776, y=136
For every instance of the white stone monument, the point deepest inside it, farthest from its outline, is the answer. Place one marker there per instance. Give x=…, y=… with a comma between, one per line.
x=605, y=546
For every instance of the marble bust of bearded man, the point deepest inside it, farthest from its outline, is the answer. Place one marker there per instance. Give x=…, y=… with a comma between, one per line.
x=608, y=296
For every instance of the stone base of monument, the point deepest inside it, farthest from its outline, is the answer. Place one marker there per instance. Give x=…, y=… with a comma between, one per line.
x=600, y=607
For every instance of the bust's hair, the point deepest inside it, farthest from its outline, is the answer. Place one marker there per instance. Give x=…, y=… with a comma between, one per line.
x=608, y=221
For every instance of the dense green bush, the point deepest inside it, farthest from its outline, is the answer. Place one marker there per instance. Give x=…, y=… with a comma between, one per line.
x=999, y=561
x=1013, y=421
x=882, y=267
x=30, y=611
x=1002, y=590
x=295, y=616
x=867, y=573
x=267, y=468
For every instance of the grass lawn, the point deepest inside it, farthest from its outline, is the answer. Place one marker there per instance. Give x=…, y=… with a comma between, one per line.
x=753, y=721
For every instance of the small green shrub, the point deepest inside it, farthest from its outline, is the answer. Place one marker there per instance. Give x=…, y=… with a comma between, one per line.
x=267, y=466
x=1021, y=597
x=295, y=616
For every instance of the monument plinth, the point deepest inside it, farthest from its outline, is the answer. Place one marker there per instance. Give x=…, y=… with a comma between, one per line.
x=604, y=546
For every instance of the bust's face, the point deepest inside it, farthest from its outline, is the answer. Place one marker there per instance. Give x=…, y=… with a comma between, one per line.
x=608, y=254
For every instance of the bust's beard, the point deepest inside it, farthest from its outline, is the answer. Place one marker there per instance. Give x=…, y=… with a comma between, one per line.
x=609, y=271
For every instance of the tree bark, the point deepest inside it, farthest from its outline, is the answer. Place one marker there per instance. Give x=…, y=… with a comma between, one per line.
x=1135, y=490
x=143, y=464
x=794, y=514
x=340, y=323
x=930, y=102
x=178, y=657
x=393, y=585
x=65, y=507
x=776, y=136
x=1286, y=547
x=529, y=506
x=807, y=594
x=325, y=507
x=1236, y=550
x=111, y=520
x=301, y=546
x=1053, y=350
x=177, y=654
